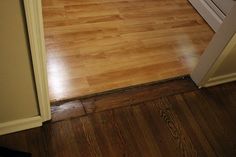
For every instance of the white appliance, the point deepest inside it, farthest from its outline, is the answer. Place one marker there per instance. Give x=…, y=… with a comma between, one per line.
x=213, y=11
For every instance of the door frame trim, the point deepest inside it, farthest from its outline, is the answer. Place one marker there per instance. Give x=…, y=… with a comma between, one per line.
x=34, y=20
x=206, y=11
x=214, y=54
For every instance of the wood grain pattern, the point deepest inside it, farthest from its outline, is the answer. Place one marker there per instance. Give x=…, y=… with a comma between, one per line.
x=67, y=110
x=99, y=45
x=183, y=124
x=136, y=95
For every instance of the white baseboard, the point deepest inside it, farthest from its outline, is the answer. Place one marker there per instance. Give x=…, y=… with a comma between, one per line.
x=221, y=79
x=207, y=13
x=19, y=125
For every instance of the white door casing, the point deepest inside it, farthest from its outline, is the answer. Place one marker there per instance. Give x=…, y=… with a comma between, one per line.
x=213, y=56
x=34, y=19
x=213, y=11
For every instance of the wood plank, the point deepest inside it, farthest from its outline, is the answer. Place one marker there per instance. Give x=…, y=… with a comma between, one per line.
x=60, y=140
x=209, y=122
x=181, y=140
x=136, y=95
x=191, y=126
x=67, y=110
x=85, y=133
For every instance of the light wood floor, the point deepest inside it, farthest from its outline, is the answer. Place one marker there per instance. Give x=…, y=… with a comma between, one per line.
x=98, y=45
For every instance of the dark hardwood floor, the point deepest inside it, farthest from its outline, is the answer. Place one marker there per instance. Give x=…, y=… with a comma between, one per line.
x=169, y=119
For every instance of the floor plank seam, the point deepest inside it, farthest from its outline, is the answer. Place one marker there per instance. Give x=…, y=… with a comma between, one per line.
x=122, y=90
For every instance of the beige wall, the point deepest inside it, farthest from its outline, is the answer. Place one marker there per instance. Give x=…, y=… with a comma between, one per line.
x=17, y=92
x=228, y=66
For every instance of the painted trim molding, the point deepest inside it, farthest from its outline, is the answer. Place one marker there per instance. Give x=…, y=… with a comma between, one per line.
x=19, y=125
x=211, y=17
x=215, y=8
x=33, y=12
x=216, y=52
x=221, y=79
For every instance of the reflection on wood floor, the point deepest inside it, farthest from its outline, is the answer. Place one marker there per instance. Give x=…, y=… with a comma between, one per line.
x=170, y=119
x=98, y=45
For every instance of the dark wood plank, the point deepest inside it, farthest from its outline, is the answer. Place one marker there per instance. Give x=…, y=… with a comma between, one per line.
x=61, y=140
x=146, y=135
x=36, y=142
x=225, y=96
x=191, y=126
x=215, y=131
x=159, y=131
x=107, y=134
x=67, y=110
x=169, y=120
x=85, y=135
x=16, y=141
x=225, y=125
x=126, y=133
x=137, y=94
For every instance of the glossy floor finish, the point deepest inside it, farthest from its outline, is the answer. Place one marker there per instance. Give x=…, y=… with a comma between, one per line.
x=99, y=45
x=171, y=119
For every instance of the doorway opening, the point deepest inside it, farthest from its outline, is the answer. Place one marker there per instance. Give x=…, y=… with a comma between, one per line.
x=100, y=45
